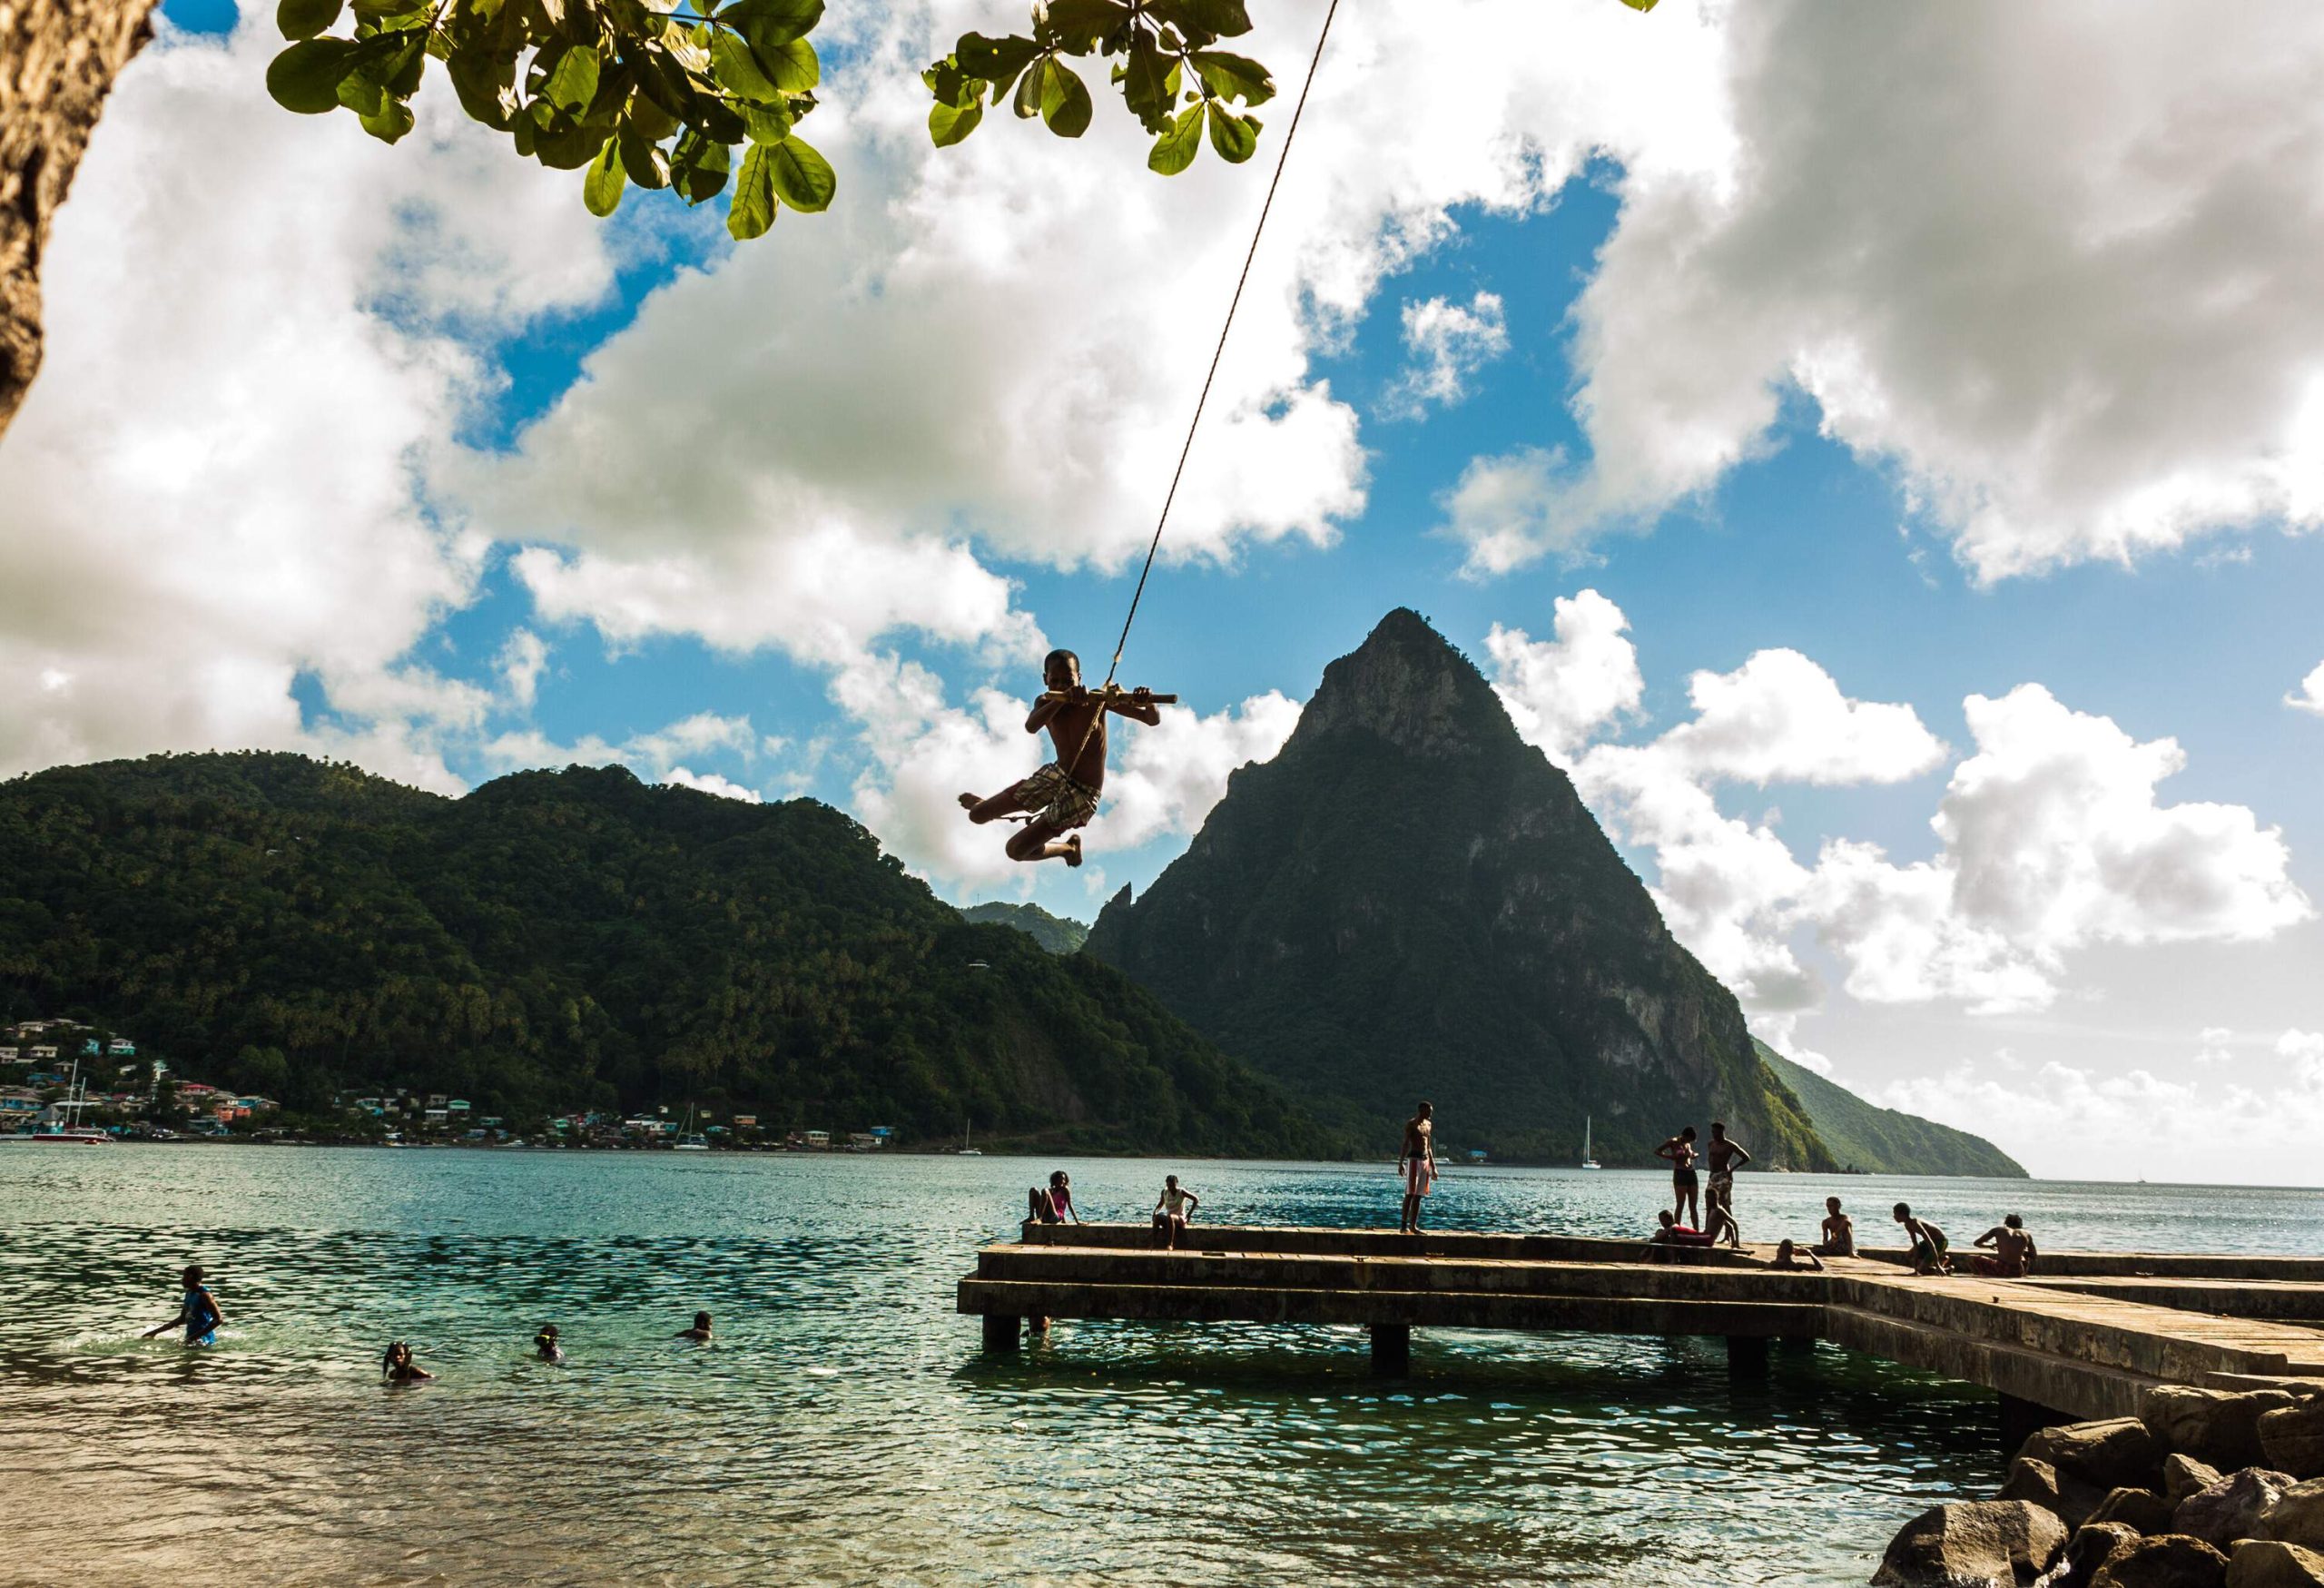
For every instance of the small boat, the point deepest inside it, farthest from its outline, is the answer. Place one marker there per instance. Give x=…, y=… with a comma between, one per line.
x=65, y=1132
x=689, y=1138
x=967, y=1151
x=1588, y=1159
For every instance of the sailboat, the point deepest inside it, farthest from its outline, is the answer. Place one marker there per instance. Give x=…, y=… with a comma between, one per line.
x=1588, y=1159
x=967, y=1151
x=689, y=1138
x=67, y=1131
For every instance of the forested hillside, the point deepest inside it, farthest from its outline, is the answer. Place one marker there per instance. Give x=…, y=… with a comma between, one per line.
x=570, y=938
x=1882, y=1142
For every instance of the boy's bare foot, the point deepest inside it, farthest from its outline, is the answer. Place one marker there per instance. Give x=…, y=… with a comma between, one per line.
x=1073, y=849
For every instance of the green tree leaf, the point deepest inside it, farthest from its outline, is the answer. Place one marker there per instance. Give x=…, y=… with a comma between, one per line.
x=947, y=125
x=791, y=67
x=1146, y=83
x=766, y=123
x=1065, y=99
x=995, y=60
x=303, y=19
x=738, y=71
x=642, y=159
x=752, y=209
x=1640, y=5
x=1028, y=102
x=802, y=178
x=305, y=77
x=1176, y=149
x=1079, y=26
x=1235, y=137
x=774, y=23
x=1234, y=77
x=601, y=190
x=572, y=81
x=392, y=122
x=485, y=83
x=1202, y=20
x=698, y=170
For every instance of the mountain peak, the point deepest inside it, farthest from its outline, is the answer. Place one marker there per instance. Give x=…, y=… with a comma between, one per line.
x=1408, y=685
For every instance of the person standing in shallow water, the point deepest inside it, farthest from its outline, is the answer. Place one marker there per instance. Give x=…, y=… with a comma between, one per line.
x=700, y=1333
x=1416, y=1162
x=198, y=1310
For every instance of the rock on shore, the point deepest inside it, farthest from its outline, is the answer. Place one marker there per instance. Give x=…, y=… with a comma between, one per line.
x=1973, y=1543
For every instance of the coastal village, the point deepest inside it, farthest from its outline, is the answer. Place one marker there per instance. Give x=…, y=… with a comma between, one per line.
x=52, y=1071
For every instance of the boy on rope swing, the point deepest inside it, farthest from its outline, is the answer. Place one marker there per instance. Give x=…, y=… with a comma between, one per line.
x=1063, y=795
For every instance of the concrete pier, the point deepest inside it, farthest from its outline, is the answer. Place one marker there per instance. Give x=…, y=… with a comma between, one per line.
x=2086, y=1337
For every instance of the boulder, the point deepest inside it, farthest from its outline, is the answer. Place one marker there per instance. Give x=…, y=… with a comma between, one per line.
x=2143, y=1510
x=2038, y=1480
x=2183, y=1475
x=2296, y=1516
x=2171, y=1561
x=2092, y=1545
x=2231, y=1508
x=2216, y=1425
x=2292, y=1438
x=2116, y=1452
x=1969, y=1542
x=2265, y=1563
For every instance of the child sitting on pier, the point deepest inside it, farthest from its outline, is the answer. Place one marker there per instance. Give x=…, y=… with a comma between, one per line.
x=2014, y=1252
x=1063, y=795
x=1171, y=1210
x=1839, y=1232
x=1930, y=1248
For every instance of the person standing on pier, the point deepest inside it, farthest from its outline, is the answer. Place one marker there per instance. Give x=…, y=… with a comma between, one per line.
x=1416, y=1162
x=1727, y=1154
x=1686, y=1207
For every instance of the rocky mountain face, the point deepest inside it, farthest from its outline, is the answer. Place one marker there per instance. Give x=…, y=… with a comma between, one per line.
x=1410, y=901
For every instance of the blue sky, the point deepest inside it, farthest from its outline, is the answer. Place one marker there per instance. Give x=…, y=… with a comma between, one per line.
x=1854, y=426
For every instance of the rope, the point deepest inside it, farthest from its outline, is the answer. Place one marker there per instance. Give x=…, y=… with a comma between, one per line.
x=1186, y=450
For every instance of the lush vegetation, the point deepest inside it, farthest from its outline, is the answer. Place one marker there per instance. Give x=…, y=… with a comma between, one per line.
x=1871, y=1139
x=578, y=940
x=1411, y=901
x=696, y=95
x=1057, y=934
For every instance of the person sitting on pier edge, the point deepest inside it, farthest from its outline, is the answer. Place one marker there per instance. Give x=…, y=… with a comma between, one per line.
x=1718, y=1212
x=198, y=1310
x=1930, y=1248
x=1725, y=1155
x=1839, y=1232
x=1170, y=1209
x=1788, y=1255
x=544, y=1344
x=699, y=1334
x=1681, y=1151
x=400, y=1368
x=1416, y=1163
x=1054, y=1203
x=1674, y=1233
x=2014, y=1250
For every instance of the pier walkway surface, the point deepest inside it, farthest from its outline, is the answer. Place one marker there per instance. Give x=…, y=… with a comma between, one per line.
x=2086, y=1337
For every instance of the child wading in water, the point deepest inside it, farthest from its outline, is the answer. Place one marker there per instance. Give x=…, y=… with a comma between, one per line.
x=1063, y=795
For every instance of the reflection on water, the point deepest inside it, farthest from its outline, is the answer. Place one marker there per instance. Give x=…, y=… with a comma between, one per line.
x=843, y=1427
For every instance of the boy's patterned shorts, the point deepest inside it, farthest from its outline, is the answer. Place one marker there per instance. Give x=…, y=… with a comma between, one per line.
x=1057, y=797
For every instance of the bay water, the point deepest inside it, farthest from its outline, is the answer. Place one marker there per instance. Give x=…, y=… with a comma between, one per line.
x=843, y=1427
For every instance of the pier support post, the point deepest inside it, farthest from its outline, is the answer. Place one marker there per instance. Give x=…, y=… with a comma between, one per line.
x=1392, y=1350
x=1001, y=1331
x=1746, y=1356
x=2021, y=1419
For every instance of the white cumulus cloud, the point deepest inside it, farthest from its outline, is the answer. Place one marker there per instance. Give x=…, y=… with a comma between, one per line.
x=2310, y=696
x=1449, y=342
x=1560, y=692
x=2049, y=263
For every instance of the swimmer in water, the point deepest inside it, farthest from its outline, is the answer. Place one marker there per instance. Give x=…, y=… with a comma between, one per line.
x=198, y=1310
x=700, y=1333
x=544, y=1344
x=1789, y=1254
x=400, y=1368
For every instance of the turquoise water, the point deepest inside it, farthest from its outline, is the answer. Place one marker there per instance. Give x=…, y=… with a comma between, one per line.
x=843, y=1427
